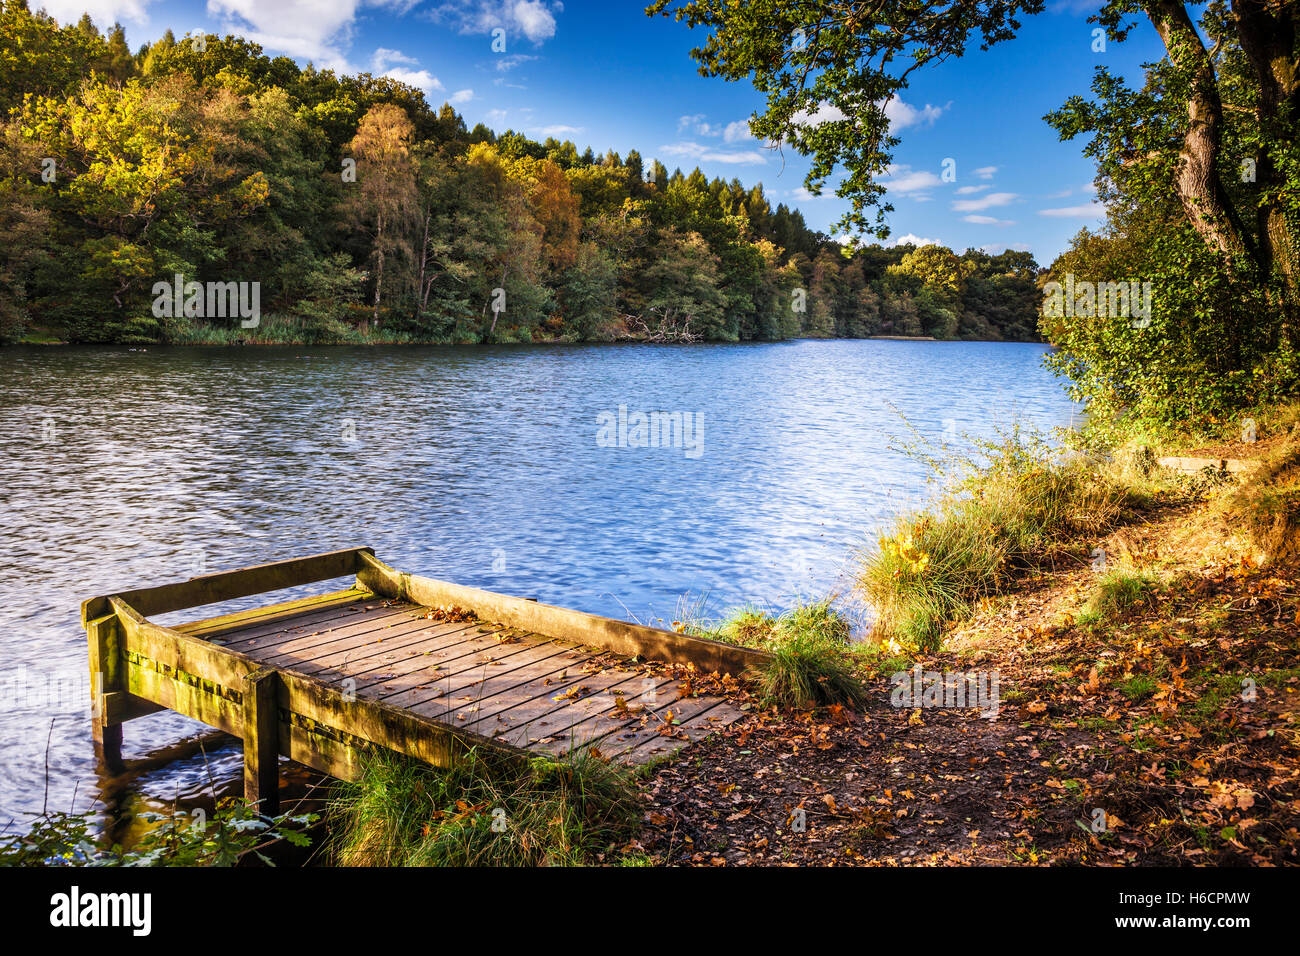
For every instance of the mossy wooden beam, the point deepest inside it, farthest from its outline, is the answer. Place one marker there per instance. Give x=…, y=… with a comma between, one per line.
x=621, y=637
x=181, y=652
x=228, y=585
x=261, y=732
x=375, y=722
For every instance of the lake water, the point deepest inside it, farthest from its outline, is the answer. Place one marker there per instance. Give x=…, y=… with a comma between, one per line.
x=480, y=465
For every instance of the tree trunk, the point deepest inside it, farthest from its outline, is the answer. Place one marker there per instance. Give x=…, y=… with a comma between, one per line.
x=424, y=262
x=1268, y=38
x=1196, y=180
x=379, y=266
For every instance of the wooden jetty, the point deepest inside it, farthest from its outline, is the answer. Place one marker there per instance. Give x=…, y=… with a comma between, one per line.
x=397, y=661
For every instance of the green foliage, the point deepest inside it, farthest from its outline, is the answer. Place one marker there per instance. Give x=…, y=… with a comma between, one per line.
x=223, y=164
x=1006, y=506
x=1116, y=590
x=811, y=660
x=807, y=670
x=1199, y=169
x=484, y=812
x=233, y=830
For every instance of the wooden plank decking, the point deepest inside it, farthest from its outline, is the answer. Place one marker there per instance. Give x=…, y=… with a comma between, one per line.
x=423, y=667
x=515, y=686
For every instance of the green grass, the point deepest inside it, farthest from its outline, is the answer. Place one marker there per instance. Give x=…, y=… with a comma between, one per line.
x=807, y=671
x=999, y=515
x=811, y=660
x=1138, y=687
x=1115, y=591
x=484, y=812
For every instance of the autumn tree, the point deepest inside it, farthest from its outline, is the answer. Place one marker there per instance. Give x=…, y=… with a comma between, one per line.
x=381, y=200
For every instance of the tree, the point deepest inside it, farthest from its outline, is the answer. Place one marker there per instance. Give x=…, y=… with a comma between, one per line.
x=555, y=208
x=23, y=222
x=826, y=96
x=146, y=181
x=384, y=192
x=685, y=303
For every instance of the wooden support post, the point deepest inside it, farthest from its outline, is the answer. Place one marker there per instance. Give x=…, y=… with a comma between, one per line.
x=262, y=741
x=104, y=644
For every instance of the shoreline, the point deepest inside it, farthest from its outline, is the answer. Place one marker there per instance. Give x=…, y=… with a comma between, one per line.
x=543, y=343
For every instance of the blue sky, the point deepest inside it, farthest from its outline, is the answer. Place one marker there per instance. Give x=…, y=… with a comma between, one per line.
x=605, y=75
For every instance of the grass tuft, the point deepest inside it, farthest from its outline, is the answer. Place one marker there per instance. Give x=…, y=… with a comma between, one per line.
x=485, y=811
x=811, y=664
x=1003, y=512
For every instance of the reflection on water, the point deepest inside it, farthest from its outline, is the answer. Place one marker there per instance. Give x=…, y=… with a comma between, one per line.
x=122, y=468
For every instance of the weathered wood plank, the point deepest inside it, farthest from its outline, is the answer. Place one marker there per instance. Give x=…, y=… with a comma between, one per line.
x=229, y=585
x=367, y=652
x=479, y=652
x=534, y=663
x=187, y=694
x=320, y=605
x=321, y=633
x=526, y=699
x=181, y=652
x=603, y=716
x=544, y=716
x=621, y=637
x=378, y=723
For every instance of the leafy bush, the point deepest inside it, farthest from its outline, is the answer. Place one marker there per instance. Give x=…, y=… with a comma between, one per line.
x=234, y=829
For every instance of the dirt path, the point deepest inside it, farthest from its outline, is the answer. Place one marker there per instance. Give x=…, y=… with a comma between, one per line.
x=1168, y=734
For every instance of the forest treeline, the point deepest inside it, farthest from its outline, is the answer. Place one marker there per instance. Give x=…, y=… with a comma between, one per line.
x=363, y=214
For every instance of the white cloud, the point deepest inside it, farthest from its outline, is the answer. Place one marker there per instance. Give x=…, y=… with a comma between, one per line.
x=422, y=80
x=460, y=97
x=382, y=63
x=909, y=182
x=913, y=240
x=710, y=154
x=902, y=115
x=537, y=22
x=970, y=190
x=988, y=221
x=804, y=195
x=1094, y=210
x=104, y=12
x=495, y=116
x=505, y=64
x=737, y=132
x=996, y=249
x=383, y=58
x=698, y=125
x=556, y=130
x=318, y=30
x=532, y=19
x=984, y=202
x=825, y=113
x=986, y=172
